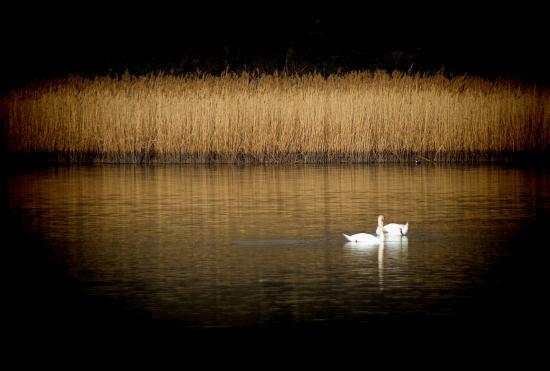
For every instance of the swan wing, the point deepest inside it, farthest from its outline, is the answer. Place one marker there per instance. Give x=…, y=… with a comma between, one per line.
x=394, y=229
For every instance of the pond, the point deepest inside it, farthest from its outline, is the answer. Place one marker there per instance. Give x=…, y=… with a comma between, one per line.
x=257, y=252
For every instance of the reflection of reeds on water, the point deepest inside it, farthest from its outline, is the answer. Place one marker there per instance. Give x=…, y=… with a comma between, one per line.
x=358, y=117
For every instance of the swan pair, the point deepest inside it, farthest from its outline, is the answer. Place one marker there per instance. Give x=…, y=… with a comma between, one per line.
x=390, y=229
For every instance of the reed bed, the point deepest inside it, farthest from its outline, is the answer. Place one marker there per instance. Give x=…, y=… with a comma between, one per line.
x=253, y=118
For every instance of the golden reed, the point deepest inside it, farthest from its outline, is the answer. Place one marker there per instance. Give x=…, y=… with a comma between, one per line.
x=357, y=117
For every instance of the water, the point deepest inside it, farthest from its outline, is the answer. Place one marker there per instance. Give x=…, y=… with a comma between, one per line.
x=258, y=250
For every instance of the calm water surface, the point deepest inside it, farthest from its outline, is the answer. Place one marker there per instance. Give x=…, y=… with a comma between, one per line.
x=261, y=247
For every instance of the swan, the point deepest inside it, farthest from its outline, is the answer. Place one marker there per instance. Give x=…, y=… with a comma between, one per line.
x=368, y=238
x=394, y=229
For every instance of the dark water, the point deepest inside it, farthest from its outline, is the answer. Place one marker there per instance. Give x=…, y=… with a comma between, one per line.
x=257, y=253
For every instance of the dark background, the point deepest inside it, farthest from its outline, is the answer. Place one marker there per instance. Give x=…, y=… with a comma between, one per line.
x=45, y=41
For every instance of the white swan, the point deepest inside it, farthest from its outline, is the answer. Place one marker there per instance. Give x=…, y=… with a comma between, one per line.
x=368, y=238
x=394, y=229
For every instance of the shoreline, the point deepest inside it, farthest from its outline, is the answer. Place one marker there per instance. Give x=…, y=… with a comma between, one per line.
x=524, y=157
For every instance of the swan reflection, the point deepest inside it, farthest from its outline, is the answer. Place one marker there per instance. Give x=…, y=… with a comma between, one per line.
x=390, y=241
x=393, y=247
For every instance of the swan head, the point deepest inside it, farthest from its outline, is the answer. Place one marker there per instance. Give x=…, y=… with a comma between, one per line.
x=381, y=220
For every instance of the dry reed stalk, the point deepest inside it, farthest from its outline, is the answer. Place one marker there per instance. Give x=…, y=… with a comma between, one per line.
x=356, y=117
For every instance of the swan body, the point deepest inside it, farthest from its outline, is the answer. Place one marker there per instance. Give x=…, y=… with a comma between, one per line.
x=394, y=229
x=363, y=237
x=368, y=238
